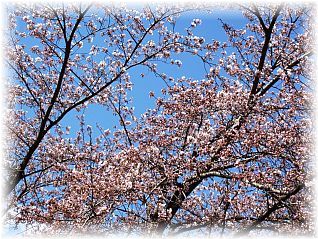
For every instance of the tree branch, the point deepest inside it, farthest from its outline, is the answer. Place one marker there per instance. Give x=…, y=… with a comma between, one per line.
x=265, y=47
x=272, y=209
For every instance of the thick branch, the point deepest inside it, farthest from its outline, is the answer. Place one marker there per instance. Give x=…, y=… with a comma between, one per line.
x=272, y=209
x=277, y=78
x=268, y=33
x=42, y=131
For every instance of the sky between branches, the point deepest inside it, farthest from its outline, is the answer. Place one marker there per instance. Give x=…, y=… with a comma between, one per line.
x=192, y=66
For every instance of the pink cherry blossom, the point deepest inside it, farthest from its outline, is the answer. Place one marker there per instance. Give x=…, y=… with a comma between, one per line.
x=228, y=154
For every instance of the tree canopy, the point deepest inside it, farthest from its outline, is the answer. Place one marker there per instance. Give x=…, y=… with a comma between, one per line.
x=228, y=153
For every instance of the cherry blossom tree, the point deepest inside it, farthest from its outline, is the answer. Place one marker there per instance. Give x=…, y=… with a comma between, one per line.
x=230, y=153
x=64, y=70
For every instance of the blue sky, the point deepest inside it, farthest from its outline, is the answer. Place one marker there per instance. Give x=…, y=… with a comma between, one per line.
x=211, y=28
x=192, y=66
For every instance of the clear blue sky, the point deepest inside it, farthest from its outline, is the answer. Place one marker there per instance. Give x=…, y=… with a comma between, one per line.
x=210, y=28
x=192, y=66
